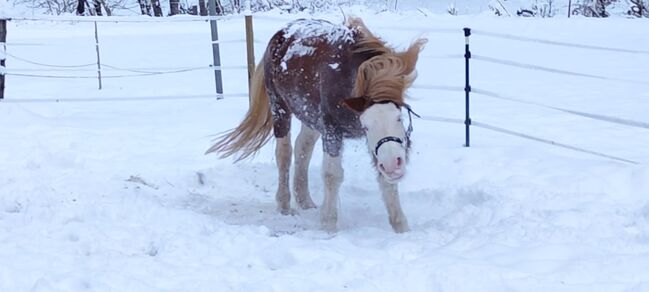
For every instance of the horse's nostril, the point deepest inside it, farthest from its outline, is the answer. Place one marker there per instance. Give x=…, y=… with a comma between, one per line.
x=382, y=167
x=399, y=161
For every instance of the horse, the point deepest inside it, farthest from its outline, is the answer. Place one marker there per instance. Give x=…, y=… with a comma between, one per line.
x=340, y=81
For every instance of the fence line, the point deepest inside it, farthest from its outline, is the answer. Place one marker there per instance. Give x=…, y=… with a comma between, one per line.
x=551, y=70
x=106, y=67
x=442, y=119
x=399, y=28
x=449, y=56
x=49, y=65
x=230, y=41
x=117, y=19
x=422, y=29
x=549, y=142
x=121, y=99
x=274, y=18
x=556, y=43
x=437, y=87
x=600, y=117
x=141, y=71
x=172, y=69
x=604, y=118
x=525, y=136
x=28, y=44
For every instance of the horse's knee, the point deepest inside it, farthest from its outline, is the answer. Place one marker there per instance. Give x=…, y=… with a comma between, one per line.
x=334, y=174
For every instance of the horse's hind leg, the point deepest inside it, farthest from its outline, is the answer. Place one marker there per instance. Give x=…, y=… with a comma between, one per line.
x=390, y=193
x=282, y=131
x=303, y=151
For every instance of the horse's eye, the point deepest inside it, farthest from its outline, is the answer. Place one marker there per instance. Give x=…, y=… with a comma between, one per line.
x=399, y=119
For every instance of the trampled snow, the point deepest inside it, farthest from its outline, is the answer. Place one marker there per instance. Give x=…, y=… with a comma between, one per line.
x=117, y=195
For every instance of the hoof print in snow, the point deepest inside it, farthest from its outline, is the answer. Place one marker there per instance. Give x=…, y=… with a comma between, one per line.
x=200, y=177
x=16, y=207
x=138, y=180
x=287, y=212
x=152, y=250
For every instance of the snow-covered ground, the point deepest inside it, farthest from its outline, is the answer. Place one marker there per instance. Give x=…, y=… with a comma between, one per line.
x=117, y=195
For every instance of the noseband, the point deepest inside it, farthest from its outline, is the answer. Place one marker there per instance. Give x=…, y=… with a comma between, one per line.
x=397, y=139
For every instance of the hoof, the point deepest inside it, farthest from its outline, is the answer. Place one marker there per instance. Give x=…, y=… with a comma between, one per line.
x=306, y=204
x=328, y=223
x=289, y=211
x=400, y=225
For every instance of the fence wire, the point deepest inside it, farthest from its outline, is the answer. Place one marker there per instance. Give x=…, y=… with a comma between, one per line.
x=609, y=119
x=103, y=76
x=556, y=43
x=89, y=68
x=526, y=136
x=421, y=29
x=552, y=70
x=121, y=99
x=449, y=56
x=437, y=87
x=117, y=19
x=50, y=65
x=549, y=142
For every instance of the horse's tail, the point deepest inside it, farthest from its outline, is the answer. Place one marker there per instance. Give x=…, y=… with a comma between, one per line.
x=254, y=130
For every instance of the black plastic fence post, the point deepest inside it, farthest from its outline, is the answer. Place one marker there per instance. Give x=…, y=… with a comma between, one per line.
x=467, y=87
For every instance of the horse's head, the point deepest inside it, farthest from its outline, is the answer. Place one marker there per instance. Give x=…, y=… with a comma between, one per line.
x=387, y=139
x=379, y=91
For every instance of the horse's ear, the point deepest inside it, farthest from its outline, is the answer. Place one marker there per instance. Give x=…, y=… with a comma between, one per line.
x=357, y=104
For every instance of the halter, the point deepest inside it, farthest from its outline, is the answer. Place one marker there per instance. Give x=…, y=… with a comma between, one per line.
x=397, y=139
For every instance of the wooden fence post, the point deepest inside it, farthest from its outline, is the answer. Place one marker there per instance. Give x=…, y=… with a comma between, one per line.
x=250, y=48
x=98, y=59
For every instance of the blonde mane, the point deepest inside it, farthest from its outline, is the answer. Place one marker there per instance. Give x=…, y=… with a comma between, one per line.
x=387, y=74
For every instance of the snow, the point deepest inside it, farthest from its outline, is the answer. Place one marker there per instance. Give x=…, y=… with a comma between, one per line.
x=119, y=196
x=333, y=32
x=296, y=50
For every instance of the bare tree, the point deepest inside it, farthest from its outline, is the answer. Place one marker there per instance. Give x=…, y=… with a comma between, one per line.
x=174, y=7
x=638, y=9
x=145, y=7
x=80, y=7
x=157, y=9
x=236, y=5
x=202, y=8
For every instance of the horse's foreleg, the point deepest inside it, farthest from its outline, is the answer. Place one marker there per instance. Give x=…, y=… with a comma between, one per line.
x=303, y=150
x=332, y=172
x=283, y=159
x=390, y=193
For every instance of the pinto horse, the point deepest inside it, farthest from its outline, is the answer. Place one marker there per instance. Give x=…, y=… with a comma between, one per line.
x=341, y=82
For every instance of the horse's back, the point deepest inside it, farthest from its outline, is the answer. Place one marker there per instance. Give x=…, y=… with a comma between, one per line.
x=309, y=65
x=306, y=45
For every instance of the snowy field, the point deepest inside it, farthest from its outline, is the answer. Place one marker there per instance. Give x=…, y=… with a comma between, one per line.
x=118, y=196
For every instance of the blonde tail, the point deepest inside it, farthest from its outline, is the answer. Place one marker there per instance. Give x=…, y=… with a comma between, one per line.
x=254, y=130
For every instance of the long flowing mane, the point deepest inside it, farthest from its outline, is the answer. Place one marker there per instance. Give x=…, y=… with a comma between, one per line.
x=386, y=74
